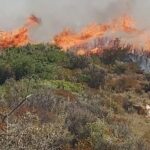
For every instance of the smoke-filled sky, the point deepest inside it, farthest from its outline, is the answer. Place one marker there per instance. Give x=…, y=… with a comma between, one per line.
x=57, y=14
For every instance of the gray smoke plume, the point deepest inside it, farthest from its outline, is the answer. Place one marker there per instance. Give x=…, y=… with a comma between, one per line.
x=74, y=14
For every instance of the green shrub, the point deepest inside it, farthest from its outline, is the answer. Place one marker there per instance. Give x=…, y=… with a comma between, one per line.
x=23, y=66
x=65, y=85
x=50, y=72
x=40, y=60
x=95, y=76
x=6, y=72
x=100, y=135
x=75, y=61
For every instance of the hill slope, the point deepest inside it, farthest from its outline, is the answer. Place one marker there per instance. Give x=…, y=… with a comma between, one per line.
x=72, y=102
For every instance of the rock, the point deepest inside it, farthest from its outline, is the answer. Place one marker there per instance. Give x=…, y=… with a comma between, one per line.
x=140, y=109
x=148, y=110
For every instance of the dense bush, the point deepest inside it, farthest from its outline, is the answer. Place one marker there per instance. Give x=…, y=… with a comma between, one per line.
x=111, y=55
x=95, y=76
x=5, y=72
x=78, y=117
x=39, y=60
x=23, y=66
x=75, y=61
x=100, y=135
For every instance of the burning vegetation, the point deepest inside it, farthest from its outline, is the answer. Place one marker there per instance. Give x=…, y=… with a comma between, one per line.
x=92, y=39
x=18, y=37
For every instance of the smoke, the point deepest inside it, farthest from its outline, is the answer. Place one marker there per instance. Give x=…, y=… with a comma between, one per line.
x=74, y=14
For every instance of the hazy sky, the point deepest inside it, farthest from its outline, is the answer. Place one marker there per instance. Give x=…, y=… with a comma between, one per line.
x=57, y=14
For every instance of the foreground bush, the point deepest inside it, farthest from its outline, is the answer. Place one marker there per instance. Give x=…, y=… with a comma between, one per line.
x=31, y=135
x=38, y=60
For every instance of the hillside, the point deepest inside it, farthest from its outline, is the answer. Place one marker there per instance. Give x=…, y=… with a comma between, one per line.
x=50, y=99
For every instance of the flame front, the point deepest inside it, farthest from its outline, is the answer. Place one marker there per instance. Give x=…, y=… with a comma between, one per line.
x=103, y=35
x=91, y=39
x=18, y=37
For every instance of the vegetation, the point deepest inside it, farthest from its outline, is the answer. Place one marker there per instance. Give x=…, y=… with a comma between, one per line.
x=72, y=102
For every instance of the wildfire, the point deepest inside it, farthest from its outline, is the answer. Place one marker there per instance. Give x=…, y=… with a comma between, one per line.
x=68, y=39
x=18, y=37
x=92, y=39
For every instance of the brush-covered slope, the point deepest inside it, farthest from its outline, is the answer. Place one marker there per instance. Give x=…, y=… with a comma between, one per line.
x=73, y=102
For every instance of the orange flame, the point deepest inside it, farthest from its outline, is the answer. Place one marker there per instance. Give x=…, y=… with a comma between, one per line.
x=18, y=37
x=92, y=39
x=126, y=24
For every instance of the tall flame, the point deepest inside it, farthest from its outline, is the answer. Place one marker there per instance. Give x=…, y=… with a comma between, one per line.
x=97, y=32
x=18, y=37
x=91, y=39
x=68, y=39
